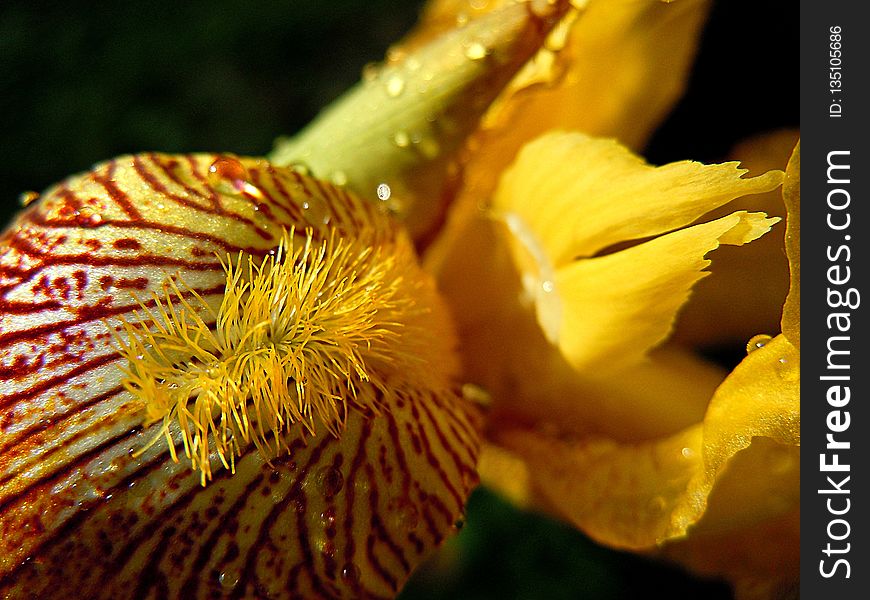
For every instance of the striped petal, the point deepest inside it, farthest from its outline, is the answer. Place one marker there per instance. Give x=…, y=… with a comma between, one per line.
x=88, y=508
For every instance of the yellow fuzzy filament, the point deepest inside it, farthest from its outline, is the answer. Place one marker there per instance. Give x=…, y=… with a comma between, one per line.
x=293, y=339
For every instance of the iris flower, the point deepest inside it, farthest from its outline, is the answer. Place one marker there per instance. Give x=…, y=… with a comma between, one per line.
x=282, y=377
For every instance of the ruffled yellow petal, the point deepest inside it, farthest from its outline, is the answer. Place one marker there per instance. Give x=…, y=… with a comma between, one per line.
x=617, y=307
x=743, y=296
x=614, y=69
x=505, y=351
x=569, y=196
x=619, y=67
x=89, y=508
x=640, y=496
x=579, y=195
x=791, y=193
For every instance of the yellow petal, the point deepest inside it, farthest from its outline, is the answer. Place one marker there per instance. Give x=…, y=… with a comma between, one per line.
x=744, y=294
x=617, y=307
x=791, y=193
x=640, y=496
x=570, y=196
x=578, y=195
x=623, y=65
x=87, y=505
x=504, y=350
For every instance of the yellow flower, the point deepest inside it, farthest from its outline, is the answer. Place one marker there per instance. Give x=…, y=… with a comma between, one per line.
x=224, y=376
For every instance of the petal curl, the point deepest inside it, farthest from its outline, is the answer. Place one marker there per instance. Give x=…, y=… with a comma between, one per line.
x=569, y=196
x=579, y=195
x=743, y=296
x=79, y=507
x=617, y=307
x=640, y=496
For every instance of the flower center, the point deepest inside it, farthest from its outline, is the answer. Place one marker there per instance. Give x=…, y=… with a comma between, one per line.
x=314, y=330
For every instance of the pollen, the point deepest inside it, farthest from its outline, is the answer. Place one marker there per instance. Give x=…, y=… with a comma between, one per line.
x=313, y=331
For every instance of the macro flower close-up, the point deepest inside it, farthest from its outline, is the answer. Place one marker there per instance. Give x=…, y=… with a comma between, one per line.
x=515, y=315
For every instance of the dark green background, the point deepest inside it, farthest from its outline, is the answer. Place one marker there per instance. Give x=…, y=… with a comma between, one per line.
x=81, y=82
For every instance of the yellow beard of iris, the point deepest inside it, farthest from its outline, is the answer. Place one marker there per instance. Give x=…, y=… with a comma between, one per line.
x=292, y=341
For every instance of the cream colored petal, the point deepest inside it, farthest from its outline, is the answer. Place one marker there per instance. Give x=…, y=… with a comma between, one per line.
x=578, y=195
x=89, y=509
x=615, y=308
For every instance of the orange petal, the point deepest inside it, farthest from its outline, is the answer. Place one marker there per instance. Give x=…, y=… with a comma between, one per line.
x=83, y=513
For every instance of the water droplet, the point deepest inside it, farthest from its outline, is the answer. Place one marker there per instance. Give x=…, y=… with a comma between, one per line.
x=350, y=574
x=384, y=191
x=328, y=517
x=395, y=86
x=657, y=504
x=370, y=72
x=330, y=481
x=316, y=212
x=28, y=198
x=461, y=20
x=226, y=168
x=459, y=523
x=339, y=178
x=395, y=54
x=229, y=176
x=787, y=370
x=229, y=579
x=758, y=341
x=300, y=167
x=687, y=452
x=476, y=51
x=429, y=147
x=402, y=139
x=548, y=286
x=87, y=217
x=476, y=394
x=404, y=514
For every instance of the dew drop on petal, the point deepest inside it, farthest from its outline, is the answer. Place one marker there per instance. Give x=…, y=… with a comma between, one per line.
x=548, y=286
x=384, y=191
x=687, y=452
x=757, y=342
x=476, y=51
x=339, y=178
x=657, y=504
x=402, y=139
x=404, y=513
x=395, y=86
x=315, y=211
x=787, y=370
x=350, y=573
x=429, y=147
x=28, y=198
x=229, y=579
x=328, y=517
x=370, y=71
x=330, y=481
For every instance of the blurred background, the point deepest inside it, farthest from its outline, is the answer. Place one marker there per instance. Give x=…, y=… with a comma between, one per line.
x=84, y=81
